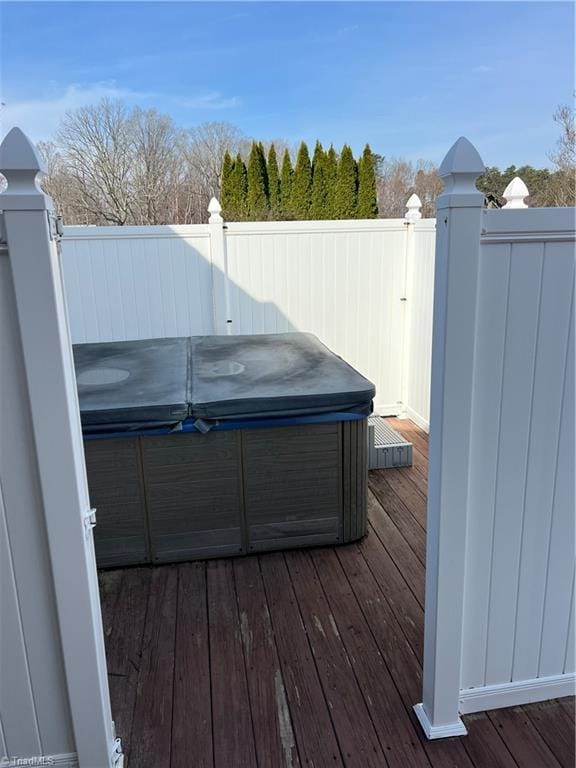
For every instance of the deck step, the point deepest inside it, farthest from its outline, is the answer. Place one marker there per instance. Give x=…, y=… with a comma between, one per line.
x=386, y=447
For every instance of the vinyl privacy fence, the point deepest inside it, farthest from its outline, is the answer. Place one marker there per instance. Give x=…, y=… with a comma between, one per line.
x=363, y=287
x=499, y=623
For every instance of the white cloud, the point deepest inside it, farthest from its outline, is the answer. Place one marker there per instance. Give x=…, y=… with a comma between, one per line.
x=212, y=100
x=39, y=117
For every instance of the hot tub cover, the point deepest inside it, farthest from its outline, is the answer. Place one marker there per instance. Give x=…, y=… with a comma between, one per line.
x=146, y=383
x=133, y=382
x=276, y=374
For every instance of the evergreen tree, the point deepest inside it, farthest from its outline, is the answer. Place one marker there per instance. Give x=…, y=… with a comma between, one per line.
x=239, y=190
x=286, y=176
x=346, y=185
x=367, y=199
x=301, y=184
x=227, y=186
x=257, y=184
x=273, y=183
x=319, y=193
x=331, y=174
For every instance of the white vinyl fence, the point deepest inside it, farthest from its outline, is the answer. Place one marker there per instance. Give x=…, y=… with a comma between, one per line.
x=363, y=287
x=520, y=569
x=54, y=699
x=501, y=549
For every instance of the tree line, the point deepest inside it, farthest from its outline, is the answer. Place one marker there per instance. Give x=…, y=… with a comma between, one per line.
x=330, y=186
x=109, y=164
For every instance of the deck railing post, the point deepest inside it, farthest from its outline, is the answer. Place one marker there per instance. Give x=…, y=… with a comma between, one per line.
x=220, y=287
x=32, y=236
x=458, y=225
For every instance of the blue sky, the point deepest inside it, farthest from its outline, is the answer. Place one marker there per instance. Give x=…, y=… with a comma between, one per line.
x=407, y=77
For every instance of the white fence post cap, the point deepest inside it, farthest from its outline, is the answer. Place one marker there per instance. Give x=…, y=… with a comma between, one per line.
x=23, y=168
x=515, y=193
x=214, y=209
x=413, y=206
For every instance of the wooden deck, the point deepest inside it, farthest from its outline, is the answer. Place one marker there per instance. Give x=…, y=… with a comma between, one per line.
x=304, y=658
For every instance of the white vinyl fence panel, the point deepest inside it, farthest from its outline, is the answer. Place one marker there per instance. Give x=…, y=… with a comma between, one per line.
x=345, y=281
x=137, y=282
x=520, y=546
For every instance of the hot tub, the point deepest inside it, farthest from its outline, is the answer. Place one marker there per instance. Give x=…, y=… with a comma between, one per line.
x=222, y=445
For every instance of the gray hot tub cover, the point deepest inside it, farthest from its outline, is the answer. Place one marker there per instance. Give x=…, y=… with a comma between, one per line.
x=123, y=382
x=133, y=384
x=277, y=374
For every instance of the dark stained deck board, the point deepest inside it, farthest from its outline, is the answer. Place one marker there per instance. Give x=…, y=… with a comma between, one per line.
x=522, y=739
x=398, y=736
x=402, y=662
x=192, y=717
x=235, y=648
x=152, y=720
x=484, y=744
x=399, y=513
x=359, y=743
x=273, y=731
x=314, y=731
x=555, y=726
x=402, y=554
x=387, y=574
x=109, y=583
x=401, y=484
x=124, y=646
x=232, y=724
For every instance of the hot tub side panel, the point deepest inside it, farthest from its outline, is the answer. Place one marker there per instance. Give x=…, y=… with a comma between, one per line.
x=192, y=496
x=116, y=491
x=293, y=486
x=194, y=493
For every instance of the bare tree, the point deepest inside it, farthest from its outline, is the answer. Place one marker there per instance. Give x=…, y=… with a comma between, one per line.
x=564, y=158
x=57, y=183
x=397, y=179
x=158, y=170
x=206, y=149
x=98, y=151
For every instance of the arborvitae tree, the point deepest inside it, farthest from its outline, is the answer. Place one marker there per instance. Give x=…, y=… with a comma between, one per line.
x=367, y=199
x=318, y=196
x=286, y=176
x=240, y=190
x=302, y=184
x=227, y=186
x=346, y=185
x=273, y=183
x=331, y=174
x=257, y=184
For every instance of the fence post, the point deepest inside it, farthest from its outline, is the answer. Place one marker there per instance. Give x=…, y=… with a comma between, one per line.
x=31, y=233
x=458, y=224
x=515, y=193
x=412, y=214
x=220, y=287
